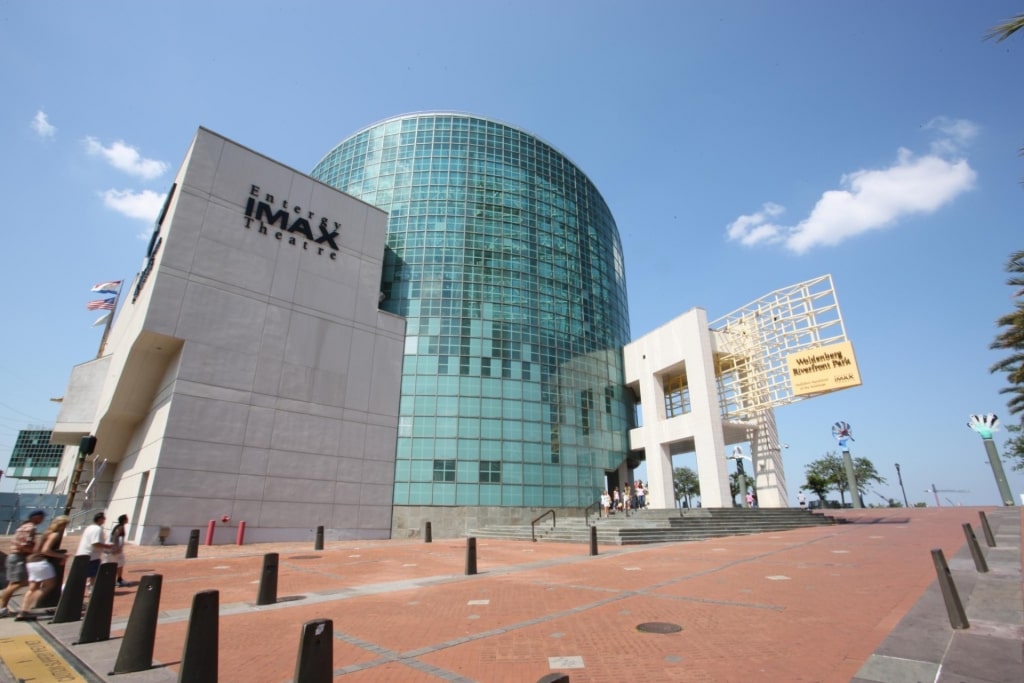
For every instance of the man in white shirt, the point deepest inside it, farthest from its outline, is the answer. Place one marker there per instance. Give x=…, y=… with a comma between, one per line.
x=93, y=545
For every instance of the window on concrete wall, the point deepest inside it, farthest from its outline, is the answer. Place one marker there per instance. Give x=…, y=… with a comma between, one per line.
x=444, y=470
x=490, y=471
x=677, y=395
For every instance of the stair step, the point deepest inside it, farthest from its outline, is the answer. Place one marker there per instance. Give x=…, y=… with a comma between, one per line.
x=661, y=526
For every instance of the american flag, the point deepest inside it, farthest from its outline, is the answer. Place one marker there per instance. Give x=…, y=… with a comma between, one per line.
x=101, y=305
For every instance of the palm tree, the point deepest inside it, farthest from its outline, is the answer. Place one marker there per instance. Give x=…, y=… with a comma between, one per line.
x=818, y=485
x=1006, y=29
x=685, y=483
x=1011, y=338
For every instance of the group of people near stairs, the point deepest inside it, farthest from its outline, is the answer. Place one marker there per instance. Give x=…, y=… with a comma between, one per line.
x=624, y=498
x=32, y=557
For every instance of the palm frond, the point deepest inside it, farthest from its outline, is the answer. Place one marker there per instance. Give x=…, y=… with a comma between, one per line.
x=1006, y=29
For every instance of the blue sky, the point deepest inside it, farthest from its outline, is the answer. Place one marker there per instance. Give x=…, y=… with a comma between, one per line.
x=741, y=146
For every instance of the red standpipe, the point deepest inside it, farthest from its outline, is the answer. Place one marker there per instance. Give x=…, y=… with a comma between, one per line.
x=240, y=538
x=209, y=531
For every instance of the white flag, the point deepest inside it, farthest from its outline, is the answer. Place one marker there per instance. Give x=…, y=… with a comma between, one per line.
x=103, y=318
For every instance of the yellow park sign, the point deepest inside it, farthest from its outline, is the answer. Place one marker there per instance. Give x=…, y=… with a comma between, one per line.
x=823, y=369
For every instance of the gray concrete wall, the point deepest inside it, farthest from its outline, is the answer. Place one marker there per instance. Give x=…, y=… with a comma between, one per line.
x=457, y=521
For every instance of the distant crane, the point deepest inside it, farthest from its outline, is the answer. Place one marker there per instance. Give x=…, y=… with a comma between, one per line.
x=936, y=493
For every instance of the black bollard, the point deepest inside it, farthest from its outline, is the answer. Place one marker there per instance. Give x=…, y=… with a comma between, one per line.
x=136, y=653
x=268, y=580
x=428, y=535
x=319, y=544
x=53, y=597
x=972, y=542
x=954, y=608
x=193, y=545
x=470, y=556
x=316, y=652
x=593, y=540
x=72, y=597
x=199, y=658
x=989, y=538
x=100, y=611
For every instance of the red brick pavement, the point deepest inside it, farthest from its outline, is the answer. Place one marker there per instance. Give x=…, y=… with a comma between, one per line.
x=804, y=605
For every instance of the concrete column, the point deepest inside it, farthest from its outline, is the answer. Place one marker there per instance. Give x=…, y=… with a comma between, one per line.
x=659, y=478
x=708, y=439
x=766, y=452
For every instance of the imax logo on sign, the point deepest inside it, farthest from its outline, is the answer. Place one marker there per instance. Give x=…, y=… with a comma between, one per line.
x=290, y=223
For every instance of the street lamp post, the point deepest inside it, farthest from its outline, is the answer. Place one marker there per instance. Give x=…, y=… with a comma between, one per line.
x=984, y=425
x=900, y=478
x=843, y=433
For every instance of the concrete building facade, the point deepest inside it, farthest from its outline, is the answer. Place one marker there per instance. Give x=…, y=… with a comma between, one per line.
x=249, y=375
x=675, y=371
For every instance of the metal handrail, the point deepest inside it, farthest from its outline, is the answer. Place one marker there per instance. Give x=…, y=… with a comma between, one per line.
x=586, y=511
x=533, y=527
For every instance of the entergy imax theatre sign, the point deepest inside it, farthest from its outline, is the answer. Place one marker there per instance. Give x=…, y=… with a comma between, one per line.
x=291, y=224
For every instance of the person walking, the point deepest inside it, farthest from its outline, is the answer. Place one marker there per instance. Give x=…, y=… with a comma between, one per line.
x=93, y=545
x=42, y=576
x=641, y=498
x=802, y=499
x=116, y=552
x=22, y=545
x=606, y=502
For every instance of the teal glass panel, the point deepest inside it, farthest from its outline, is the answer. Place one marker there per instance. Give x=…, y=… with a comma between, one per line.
x=401, y=493
x=444, y=494
x=512, y=473
x=420, y=494
x=533, y=496
x=533, y=474
x=511, y=451
x=468, y=471
x=421, y=470
x=511, y=495
x=446, y=427
x=403, y=469
x=467, y=494
x=469, y=428
x=490, y=494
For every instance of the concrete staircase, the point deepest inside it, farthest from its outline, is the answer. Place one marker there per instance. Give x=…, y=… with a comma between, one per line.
x=660, y=526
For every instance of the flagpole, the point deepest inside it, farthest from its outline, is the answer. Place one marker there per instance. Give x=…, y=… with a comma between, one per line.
x=110, y=320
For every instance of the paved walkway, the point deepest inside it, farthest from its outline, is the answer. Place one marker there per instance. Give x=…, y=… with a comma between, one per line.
x=856, y=601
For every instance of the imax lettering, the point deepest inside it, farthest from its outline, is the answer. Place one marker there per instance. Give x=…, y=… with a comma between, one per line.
x=260, y=210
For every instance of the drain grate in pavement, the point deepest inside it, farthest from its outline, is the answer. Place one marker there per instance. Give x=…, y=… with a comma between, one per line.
x=659, y=627
x=304, y=557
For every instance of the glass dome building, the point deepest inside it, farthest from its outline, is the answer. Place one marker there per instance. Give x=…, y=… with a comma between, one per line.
x=507, y=265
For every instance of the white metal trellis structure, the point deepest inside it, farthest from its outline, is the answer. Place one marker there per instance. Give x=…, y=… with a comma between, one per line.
x=754, y=341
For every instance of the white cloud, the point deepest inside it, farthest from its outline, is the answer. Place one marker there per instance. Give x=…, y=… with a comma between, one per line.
x=42, y=126
x=143, y=205
x=126, y=158
x=955, y=134
x=753, y=228
x=871, y=199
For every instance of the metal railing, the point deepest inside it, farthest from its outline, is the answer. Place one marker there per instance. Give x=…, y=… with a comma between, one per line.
x=533, y=524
